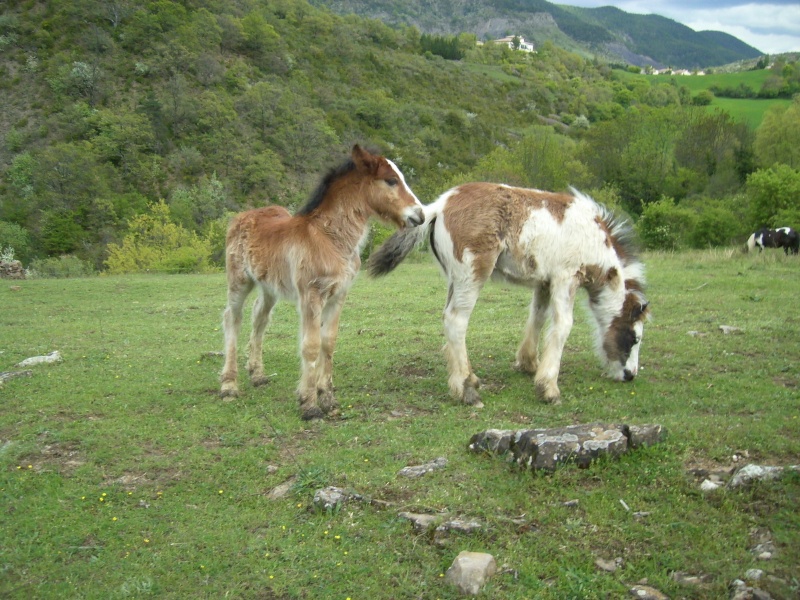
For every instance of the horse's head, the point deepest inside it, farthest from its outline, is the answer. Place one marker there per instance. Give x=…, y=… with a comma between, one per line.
x=389, y=196
x=623, y=339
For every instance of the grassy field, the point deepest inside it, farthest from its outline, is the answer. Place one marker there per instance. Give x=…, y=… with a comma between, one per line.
x=750, y=111
x=123, y=475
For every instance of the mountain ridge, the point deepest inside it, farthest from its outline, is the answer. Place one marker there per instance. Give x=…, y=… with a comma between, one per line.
x=606, y=32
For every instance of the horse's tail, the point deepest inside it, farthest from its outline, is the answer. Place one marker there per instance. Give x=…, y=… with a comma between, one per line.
x=400, y=244
x=751, y=242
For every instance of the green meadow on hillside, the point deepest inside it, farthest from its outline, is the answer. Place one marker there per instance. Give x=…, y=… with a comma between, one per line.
x=751, y=111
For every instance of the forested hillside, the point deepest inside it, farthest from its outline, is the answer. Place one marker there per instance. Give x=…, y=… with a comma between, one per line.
x=607, y=32
x=131, y=129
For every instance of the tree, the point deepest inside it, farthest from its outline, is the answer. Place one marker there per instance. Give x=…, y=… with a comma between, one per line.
x=778, y=136
x=773, y=191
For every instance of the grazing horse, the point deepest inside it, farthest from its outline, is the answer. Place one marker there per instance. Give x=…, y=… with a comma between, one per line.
x=553, y=243
x=783, y=237
x=311, y=259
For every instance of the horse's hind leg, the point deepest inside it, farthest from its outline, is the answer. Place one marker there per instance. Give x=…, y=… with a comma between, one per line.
x=231, y=324
x=329, y=333
x=528, y=351
x=262, y=311
x=311, y=319
x=462, y=381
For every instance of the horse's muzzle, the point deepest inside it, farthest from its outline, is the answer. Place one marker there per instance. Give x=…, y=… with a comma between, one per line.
x=628, y=375
x=415, y=217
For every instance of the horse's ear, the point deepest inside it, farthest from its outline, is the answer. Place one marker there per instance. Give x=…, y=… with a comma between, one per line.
x=639, y=310
x=362, y=159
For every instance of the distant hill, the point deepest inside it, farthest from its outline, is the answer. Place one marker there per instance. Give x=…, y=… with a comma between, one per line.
x=606, y=32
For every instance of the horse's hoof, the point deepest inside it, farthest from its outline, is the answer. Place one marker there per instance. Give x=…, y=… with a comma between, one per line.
x=259, y=381
x=311, y=413
x=525, y=367
x=472, y=398
x=327, y=401
x=228, y=394
x=547, y=395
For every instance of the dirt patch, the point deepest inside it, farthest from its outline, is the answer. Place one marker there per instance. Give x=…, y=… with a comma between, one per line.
x=61, y=457
x=786, y=382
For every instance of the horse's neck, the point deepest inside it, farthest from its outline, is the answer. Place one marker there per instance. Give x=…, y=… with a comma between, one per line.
x=344, y=225
x=609, y=302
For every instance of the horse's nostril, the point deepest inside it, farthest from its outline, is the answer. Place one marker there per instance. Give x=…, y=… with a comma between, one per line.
x=416, y=218
x=627, y=375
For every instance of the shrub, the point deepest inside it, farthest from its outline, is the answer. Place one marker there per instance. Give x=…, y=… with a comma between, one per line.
x=716, y=226
x=665, y=226
x=154, y=243
x=56, y=267
x=15, y=237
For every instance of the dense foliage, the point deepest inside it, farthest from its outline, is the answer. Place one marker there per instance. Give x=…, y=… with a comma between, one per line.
x=121, y=116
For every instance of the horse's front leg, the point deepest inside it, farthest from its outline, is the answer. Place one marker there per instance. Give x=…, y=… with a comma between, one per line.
x=329, y=334
x=311, y=318
x=462, y=381
x=528, y=351
x=562, y=300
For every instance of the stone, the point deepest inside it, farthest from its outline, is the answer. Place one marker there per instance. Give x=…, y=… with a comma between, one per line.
x=53, y=357
x=460, y=526
x=11, y=269
x=332, y=497
x=420, y=470
x=609, y=566
x=643, y=436
x=750, y=473
x=753, y=574
x=645, y=592
x=546, y=449
x=421, y=522
x=282, y=490
x=469, y=572
x=728, y=329
x=709, y=486
x=5, y=376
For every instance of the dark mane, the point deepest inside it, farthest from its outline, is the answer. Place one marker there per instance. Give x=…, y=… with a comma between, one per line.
x=623, y=236
x=319, y=194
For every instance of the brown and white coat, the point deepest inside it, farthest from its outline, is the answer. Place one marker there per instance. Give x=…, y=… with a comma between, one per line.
x=555, y=244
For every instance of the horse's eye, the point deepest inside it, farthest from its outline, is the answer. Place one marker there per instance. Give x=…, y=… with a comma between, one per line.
x=391, y=182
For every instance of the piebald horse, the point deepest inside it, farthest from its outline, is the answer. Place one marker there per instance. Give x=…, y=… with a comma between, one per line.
x=783, y=237
x=311, y=259
x=553, y=243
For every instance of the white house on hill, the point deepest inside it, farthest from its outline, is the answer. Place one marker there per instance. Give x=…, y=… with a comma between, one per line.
x=523, y=45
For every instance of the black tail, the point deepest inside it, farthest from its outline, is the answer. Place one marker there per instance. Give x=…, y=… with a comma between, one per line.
x=394, y=250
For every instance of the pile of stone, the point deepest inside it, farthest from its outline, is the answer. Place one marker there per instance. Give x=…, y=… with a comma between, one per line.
x=547, y=449
x=11, y=269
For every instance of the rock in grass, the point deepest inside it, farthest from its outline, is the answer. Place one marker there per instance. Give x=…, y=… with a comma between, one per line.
x=750, y=473
x=470, y=570
x=645, y=592
x=546, y=449
x=420, y=470
x=53, y=357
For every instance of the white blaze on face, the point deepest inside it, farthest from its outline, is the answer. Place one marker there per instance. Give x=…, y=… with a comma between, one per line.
x=403, y=181
x=632, y=365
x=625, y=372
x=412, y=215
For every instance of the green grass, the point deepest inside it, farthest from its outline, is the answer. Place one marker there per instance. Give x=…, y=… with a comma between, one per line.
x=750, y=111
x=122, y=474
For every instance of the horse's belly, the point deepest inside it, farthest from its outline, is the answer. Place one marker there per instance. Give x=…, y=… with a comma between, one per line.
x=515, y=269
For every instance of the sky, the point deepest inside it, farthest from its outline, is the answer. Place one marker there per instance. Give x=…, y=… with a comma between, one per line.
x=771, y=26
